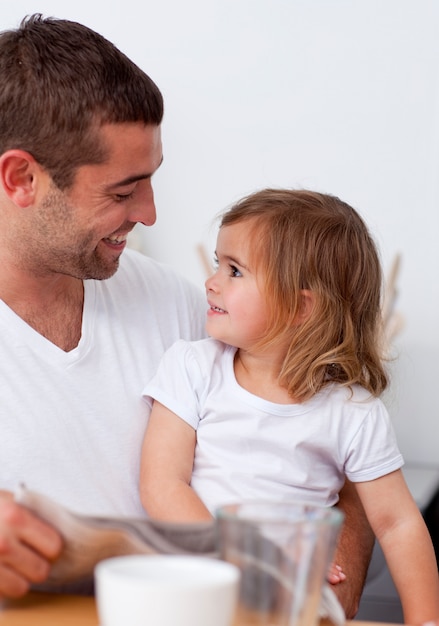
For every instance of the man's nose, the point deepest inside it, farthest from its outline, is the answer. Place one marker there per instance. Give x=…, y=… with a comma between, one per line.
x=145, y=209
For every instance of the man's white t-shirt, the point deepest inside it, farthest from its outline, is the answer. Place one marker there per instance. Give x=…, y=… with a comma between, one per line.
x=251, y=449
x=72, y=423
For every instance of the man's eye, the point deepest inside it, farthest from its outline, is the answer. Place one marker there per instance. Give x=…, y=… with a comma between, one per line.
x=234, y=271
x=121, y=197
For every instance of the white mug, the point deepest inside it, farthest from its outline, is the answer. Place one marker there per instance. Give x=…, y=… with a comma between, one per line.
x=166, y=590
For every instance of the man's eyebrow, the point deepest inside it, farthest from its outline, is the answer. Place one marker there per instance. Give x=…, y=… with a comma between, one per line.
x=133, y=179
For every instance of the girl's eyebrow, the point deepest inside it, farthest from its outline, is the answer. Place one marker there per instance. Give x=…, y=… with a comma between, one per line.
x=232, y=260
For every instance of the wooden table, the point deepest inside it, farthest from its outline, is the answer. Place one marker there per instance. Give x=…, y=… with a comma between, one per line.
x=46, y=609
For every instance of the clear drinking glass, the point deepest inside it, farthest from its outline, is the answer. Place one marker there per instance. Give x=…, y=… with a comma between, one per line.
x=283, y=552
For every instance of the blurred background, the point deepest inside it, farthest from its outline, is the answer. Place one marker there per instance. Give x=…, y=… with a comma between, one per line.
x=340, y=96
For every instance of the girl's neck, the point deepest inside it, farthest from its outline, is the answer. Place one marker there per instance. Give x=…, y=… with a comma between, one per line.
x=259, y=374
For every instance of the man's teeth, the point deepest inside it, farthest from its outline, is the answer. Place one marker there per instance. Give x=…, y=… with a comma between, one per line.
x=117, y=238
x=216, y=308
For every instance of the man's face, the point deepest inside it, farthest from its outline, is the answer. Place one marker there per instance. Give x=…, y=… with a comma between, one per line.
x=82, y=231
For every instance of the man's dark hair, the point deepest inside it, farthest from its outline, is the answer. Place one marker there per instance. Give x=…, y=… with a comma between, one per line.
x=59, y=82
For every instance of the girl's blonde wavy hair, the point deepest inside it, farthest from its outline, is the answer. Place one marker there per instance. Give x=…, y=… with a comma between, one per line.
x=308, y=240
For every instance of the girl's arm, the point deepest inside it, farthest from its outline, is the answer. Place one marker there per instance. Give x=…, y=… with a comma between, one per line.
x=166, y=469
x=406, y=543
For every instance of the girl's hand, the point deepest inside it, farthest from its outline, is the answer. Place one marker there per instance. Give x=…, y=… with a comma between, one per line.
x=335, y=574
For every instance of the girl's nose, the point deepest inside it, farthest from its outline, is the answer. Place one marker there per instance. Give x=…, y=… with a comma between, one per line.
x=210, y=283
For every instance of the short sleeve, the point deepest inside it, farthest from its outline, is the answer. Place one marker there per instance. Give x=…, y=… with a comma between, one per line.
x=178, y=383
x=373, y=451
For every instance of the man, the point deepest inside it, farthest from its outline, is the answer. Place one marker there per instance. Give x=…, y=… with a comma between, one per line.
x=83, y=327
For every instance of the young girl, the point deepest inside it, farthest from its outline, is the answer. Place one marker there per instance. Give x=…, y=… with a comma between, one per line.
x=282, y=401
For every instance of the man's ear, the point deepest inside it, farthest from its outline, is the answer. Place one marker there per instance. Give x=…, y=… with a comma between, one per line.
x=18, y=174
x=307, y=302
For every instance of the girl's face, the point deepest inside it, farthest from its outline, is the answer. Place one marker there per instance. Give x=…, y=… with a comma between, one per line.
x=237, y=311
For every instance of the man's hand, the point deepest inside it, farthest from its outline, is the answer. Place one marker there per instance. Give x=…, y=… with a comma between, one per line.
x=354, y=550
x=27, y=548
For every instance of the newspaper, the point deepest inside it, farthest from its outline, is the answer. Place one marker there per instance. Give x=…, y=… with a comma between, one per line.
x=88, y=540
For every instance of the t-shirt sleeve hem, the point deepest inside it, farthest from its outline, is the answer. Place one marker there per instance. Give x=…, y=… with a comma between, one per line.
x=155, y=393
x=376, y=472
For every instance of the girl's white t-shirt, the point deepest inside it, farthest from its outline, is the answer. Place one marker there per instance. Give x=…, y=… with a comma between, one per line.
x=250, y=449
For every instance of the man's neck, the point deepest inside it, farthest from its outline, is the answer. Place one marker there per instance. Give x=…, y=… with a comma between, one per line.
x=52, y=306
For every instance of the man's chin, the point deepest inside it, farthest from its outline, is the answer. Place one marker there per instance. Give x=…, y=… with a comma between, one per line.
x=101, y=270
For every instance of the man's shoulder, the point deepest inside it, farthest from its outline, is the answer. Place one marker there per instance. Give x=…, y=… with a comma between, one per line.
x=134, y=263
x=145, y=287
x=136, y=267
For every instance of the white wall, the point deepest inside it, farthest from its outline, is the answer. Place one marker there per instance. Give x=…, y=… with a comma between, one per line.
x=336, y=95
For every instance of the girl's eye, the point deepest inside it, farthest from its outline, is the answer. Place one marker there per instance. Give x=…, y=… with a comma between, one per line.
x=234, y=271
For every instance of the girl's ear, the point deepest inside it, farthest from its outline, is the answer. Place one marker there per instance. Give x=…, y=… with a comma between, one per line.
x=307, y=301
x=18, y=174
